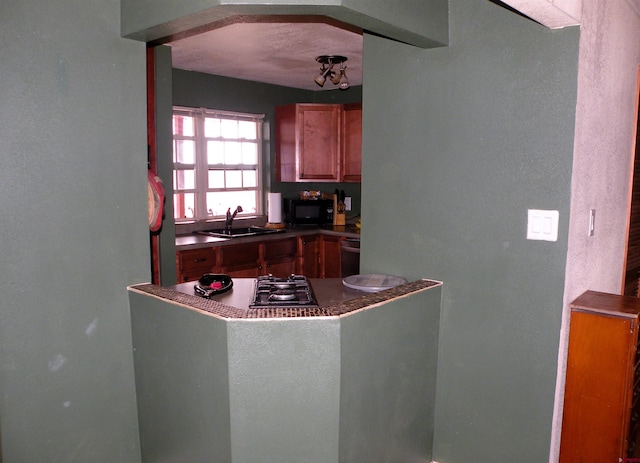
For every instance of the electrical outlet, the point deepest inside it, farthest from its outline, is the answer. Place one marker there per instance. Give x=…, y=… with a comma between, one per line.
x=347, y=203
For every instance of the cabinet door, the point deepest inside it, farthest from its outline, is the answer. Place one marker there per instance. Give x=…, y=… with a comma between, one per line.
x=191, y=264
x=330, y=257
x=319, y=142
x=239, y=260
x=279, y=257
x=599, y=381
x=352, y=143
x=308, y=143
x=308, y=255
x=286, y=155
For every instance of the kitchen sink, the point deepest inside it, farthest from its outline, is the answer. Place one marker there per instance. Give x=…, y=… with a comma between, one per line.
x=239, y=232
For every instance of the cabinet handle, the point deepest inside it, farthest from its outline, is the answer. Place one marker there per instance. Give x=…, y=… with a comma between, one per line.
x=202, y=259
x=304, y=243
x=268, y=265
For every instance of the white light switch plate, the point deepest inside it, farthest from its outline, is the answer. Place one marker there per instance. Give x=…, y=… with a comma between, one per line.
x=542, y=225
x=347, y=203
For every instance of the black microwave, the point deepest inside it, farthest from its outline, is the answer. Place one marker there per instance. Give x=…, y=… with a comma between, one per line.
x=308, y=211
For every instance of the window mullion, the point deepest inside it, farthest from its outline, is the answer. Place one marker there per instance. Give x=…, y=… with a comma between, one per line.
x=201, y=169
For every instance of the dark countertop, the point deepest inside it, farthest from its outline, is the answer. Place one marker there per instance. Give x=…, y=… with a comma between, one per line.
x=194, y=241
x=334, y=299
x=327, y=290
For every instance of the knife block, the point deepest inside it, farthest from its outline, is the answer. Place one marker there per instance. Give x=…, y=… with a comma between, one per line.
x=339, y=212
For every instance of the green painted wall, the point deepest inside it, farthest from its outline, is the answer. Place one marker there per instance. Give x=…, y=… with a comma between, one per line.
x=388, y=374
x=358, y=389
x=74, y=230
x=284, y=388
x=163, y=89
x=182, y=382
x=419, y=22
x=456, y=149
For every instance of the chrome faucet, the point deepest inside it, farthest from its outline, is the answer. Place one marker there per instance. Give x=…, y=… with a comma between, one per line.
x=231, y=216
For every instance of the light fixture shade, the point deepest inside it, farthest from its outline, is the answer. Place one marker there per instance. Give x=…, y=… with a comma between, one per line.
x=344, y=82
x=324, y=73
x=338, y=78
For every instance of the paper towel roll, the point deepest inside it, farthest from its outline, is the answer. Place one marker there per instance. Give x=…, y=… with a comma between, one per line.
x=274, y=202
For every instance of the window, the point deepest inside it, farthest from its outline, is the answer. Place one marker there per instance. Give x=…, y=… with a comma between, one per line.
x=216, y=163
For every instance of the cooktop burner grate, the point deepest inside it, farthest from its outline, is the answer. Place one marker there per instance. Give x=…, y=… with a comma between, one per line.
x=294, y=291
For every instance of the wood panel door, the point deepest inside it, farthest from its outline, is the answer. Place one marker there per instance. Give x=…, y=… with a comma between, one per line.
x=279, y=257
x=330, y=263
x=308, y=255
x=599, y=379
x=352, y=143
x=191, y=264
x=319, y=142
x=239, y=260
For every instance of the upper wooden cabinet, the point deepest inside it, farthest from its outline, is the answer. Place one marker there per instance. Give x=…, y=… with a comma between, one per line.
x=352, y=143
x=319, y=143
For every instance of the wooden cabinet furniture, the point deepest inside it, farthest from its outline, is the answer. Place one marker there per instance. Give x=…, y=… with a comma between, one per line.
x=318, y=143
x=308, y=256
x=351, y=168
x=330, y=265
x=315, y=256
x=275, y=257
x=279, y=257
x=192, y=263
x=308, y=142
x=239, y=260
x=602, y=392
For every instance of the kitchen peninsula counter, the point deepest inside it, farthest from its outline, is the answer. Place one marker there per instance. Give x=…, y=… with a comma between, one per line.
x=344, y=382
x=334, y=299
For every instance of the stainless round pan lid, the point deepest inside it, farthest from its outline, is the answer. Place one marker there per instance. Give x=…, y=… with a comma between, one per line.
x=372, y=282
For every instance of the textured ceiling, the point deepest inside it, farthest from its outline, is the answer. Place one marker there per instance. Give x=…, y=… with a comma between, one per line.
x=274, y=53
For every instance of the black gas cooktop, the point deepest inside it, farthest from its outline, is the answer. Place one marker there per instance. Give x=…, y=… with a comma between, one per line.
x=293, y=291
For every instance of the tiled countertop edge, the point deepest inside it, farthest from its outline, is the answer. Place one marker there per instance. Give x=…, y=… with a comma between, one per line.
x=225, y=311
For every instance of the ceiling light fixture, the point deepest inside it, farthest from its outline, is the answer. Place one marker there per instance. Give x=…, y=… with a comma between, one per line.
x=339, y=77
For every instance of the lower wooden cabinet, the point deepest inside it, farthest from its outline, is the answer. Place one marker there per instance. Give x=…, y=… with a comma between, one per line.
x=279, y=257
x=315, y=256
x=239, y=260
x=602, y=394
x=330, y=264
x=192, y=263
x=308, y=256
